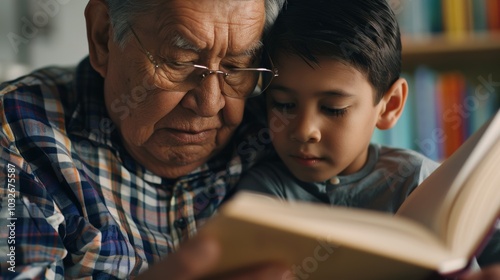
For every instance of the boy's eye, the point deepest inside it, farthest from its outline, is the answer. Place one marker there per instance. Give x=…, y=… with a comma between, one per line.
x=334, y=111
x=283, y=105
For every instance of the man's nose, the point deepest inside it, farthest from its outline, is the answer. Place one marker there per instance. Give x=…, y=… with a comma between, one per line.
x=206, y=99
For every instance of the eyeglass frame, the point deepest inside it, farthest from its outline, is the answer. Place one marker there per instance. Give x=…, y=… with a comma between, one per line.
x=208, y=71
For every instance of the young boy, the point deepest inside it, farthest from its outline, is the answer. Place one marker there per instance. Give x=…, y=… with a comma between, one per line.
x=339, y=64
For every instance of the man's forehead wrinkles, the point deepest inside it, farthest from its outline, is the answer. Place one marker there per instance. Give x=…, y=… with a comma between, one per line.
x=185, y=31
x=250, y=27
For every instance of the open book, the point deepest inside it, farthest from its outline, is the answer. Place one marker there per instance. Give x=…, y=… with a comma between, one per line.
x=437, y=230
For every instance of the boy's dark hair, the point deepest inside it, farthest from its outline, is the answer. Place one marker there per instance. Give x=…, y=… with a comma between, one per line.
x=363, y=33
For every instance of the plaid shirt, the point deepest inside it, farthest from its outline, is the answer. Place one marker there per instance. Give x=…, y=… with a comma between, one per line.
x=73, y=203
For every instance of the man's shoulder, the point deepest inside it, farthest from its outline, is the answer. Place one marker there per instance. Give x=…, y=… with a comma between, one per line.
x=47, y=89
x=36, y=105
x=48, y=76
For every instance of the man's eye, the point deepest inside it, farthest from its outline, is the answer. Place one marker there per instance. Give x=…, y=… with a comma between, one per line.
x=179, y=65
x=244, y=63
x=230, y=67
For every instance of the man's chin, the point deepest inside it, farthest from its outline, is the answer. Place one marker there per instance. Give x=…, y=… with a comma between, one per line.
x=175, y=172
x=179, y=162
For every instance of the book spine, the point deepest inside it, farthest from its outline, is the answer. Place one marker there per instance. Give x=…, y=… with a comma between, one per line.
x=428, y=138
x=449, y=122
x=479, y=16
x=435, y=8
x=454, y=13
x=493, y=10
x=469, y=16
x=484, y=104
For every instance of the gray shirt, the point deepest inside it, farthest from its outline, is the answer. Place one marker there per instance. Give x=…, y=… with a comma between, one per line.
x=388, y=177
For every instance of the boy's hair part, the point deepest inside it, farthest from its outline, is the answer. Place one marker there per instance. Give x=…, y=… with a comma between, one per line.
x=362, y=33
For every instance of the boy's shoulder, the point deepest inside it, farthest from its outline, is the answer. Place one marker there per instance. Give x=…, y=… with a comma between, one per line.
x=401, y=154
x=405, y=161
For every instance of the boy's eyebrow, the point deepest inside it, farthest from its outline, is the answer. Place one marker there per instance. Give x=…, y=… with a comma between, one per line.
x=336, y=93
x=280, y=88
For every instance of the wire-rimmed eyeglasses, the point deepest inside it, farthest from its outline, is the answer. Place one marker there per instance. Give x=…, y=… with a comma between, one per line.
x=184, y=76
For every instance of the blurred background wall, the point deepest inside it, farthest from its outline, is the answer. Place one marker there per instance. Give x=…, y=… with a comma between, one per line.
x=37, y=33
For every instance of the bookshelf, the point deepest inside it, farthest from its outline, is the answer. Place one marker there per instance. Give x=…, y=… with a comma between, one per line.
x=451, y=59
x=441, y=52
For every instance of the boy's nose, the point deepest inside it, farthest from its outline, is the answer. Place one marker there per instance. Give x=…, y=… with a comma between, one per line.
x=306, y=130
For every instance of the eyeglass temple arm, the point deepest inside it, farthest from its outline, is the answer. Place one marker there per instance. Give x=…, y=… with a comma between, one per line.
x=148, y=54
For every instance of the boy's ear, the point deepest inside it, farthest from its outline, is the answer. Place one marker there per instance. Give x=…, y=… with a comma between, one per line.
x=393, y=104
x=98, y=34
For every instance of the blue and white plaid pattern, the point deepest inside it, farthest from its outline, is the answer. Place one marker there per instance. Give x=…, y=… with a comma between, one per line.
x=83, y=206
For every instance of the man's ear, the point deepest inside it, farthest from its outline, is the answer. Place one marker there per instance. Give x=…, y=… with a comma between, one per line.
x=98, y=34
x=393, y=104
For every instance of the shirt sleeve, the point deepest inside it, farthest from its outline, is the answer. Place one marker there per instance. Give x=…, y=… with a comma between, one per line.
x=30, y=243
x=426, y=168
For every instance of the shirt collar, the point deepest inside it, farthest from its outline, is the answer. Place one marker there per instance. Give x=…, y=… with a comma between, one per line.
x=373, y=155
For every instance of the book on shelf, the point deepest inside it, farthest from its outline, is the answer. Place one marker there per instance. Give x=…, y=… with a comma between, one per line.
x=443, y=109
x=428, y=135
x=450, y=111
x=455, y=19
x=493, y=14
x=479, y=18
x=442, y=36
x=416, y=18
x=437, y=231
x=484, y=103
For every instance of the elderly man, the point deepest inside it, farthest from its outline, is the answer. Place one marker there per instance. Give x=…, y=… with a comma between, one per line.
x=110, y=166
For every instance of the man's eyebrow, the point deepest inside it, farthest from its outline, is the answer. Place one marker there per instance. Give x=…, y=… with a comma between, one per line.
x=253, y=50
x=181, y=42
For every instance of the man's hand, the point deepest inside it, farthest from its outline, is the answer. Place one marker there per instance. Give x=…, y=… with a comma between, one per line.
x=197, y=257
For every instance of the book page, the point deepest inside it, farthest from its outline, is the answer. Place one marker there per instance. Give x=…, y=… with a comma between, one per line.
x=254, y=229
x=477, y=206
x=431, y=203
